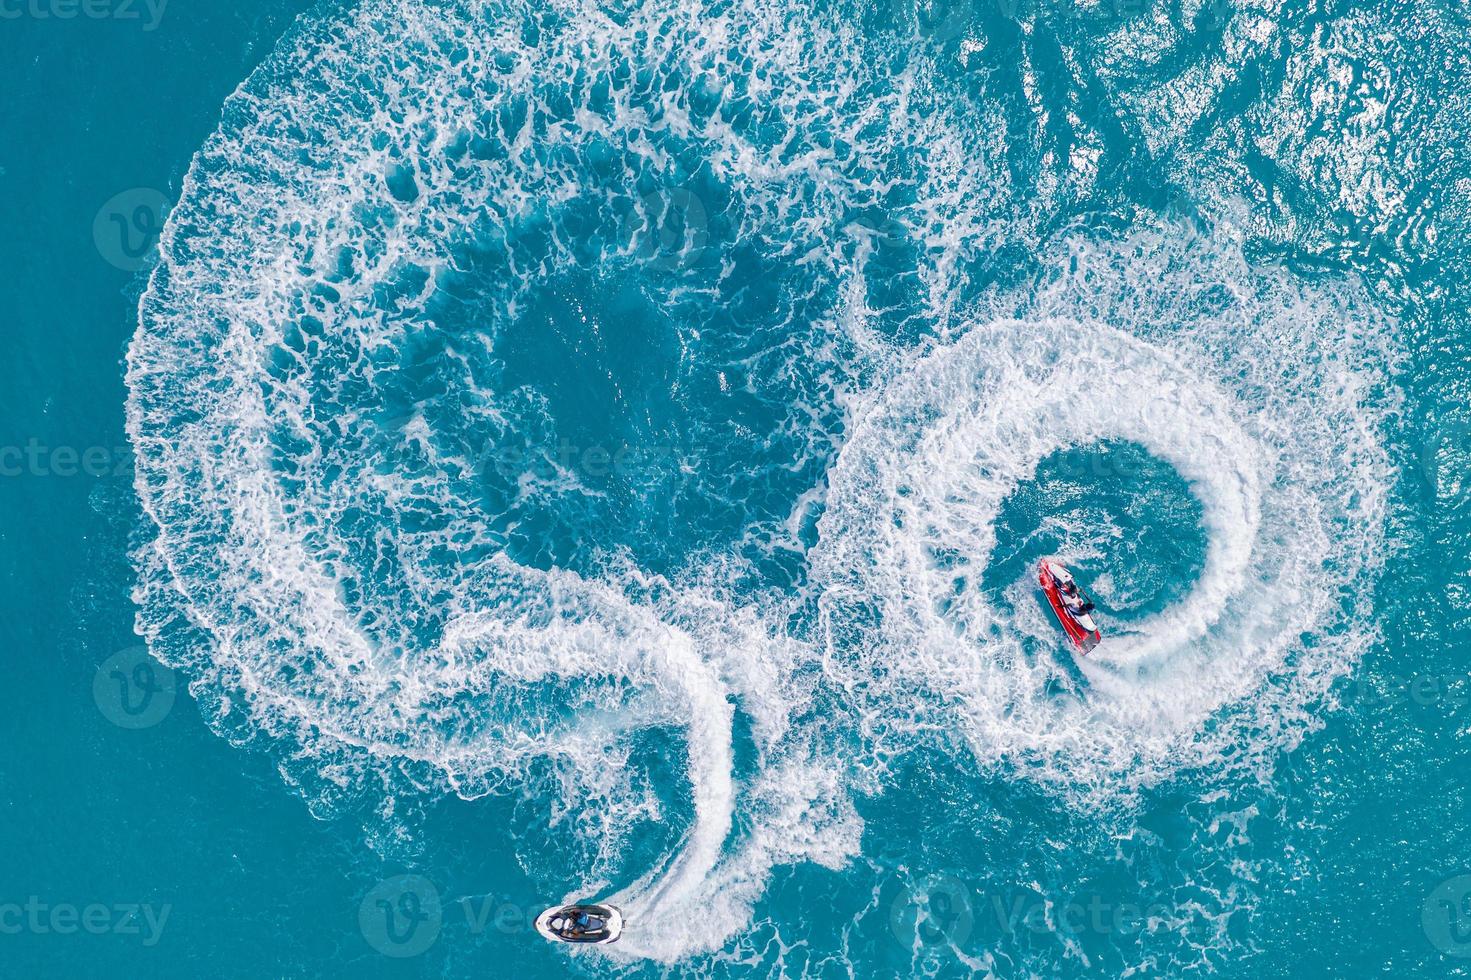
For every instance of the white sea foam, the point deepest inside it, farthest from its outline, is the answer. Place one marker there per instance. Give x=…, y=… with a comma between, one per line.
x=325, y=566
x=324, y=544
x=1261, y=405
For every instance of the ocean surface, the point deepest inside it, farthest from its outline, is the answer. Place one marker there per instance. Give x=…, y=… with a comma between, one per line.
x=460, y=456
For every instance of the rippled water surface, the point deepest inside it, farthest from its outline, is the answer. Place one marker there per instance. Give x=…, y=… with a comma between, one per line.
x=603, y=451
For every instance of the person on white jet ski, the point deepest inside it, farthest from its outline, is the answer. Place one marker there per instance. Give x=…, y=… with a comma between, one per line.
x=580, y=923
x=1072, y=599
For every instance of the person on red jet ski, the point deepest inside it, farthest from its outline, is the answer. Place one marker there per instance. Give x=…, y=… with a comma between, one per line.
x=1073, y=600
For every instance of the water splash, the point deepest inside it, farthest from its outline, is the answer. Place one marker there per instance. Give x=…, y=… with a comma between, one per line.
x=847, y=389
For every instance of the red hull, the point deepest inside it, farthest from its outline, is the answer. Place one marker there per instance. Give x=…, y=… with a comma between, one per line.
x=1085, y=640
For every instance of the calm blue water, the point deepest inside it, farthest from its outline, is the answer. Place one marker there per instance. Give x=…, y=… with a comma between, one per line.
x=462, y=456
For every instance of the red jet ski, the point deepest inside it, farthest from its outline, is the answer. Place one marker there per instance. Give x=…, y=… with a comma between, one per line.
x=1071, y=605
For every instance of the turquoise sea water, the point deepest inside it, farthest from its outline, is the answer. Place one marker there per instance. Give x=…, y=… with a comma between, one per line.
x=460, y=456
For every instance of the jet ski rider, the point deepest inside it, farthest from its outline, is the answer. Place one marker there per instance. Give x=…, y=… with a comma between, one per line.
x=580, y=924
x=1073, y=600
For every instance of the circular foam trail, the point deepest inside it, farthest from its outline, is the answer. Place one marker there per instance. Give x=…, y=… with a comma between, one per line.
x=339, y=571
x=910, y=529
x=332, y=556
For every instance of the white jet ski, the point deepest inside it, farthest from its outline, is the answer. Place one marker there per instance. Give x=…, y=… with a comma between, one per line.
x=578, y=925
